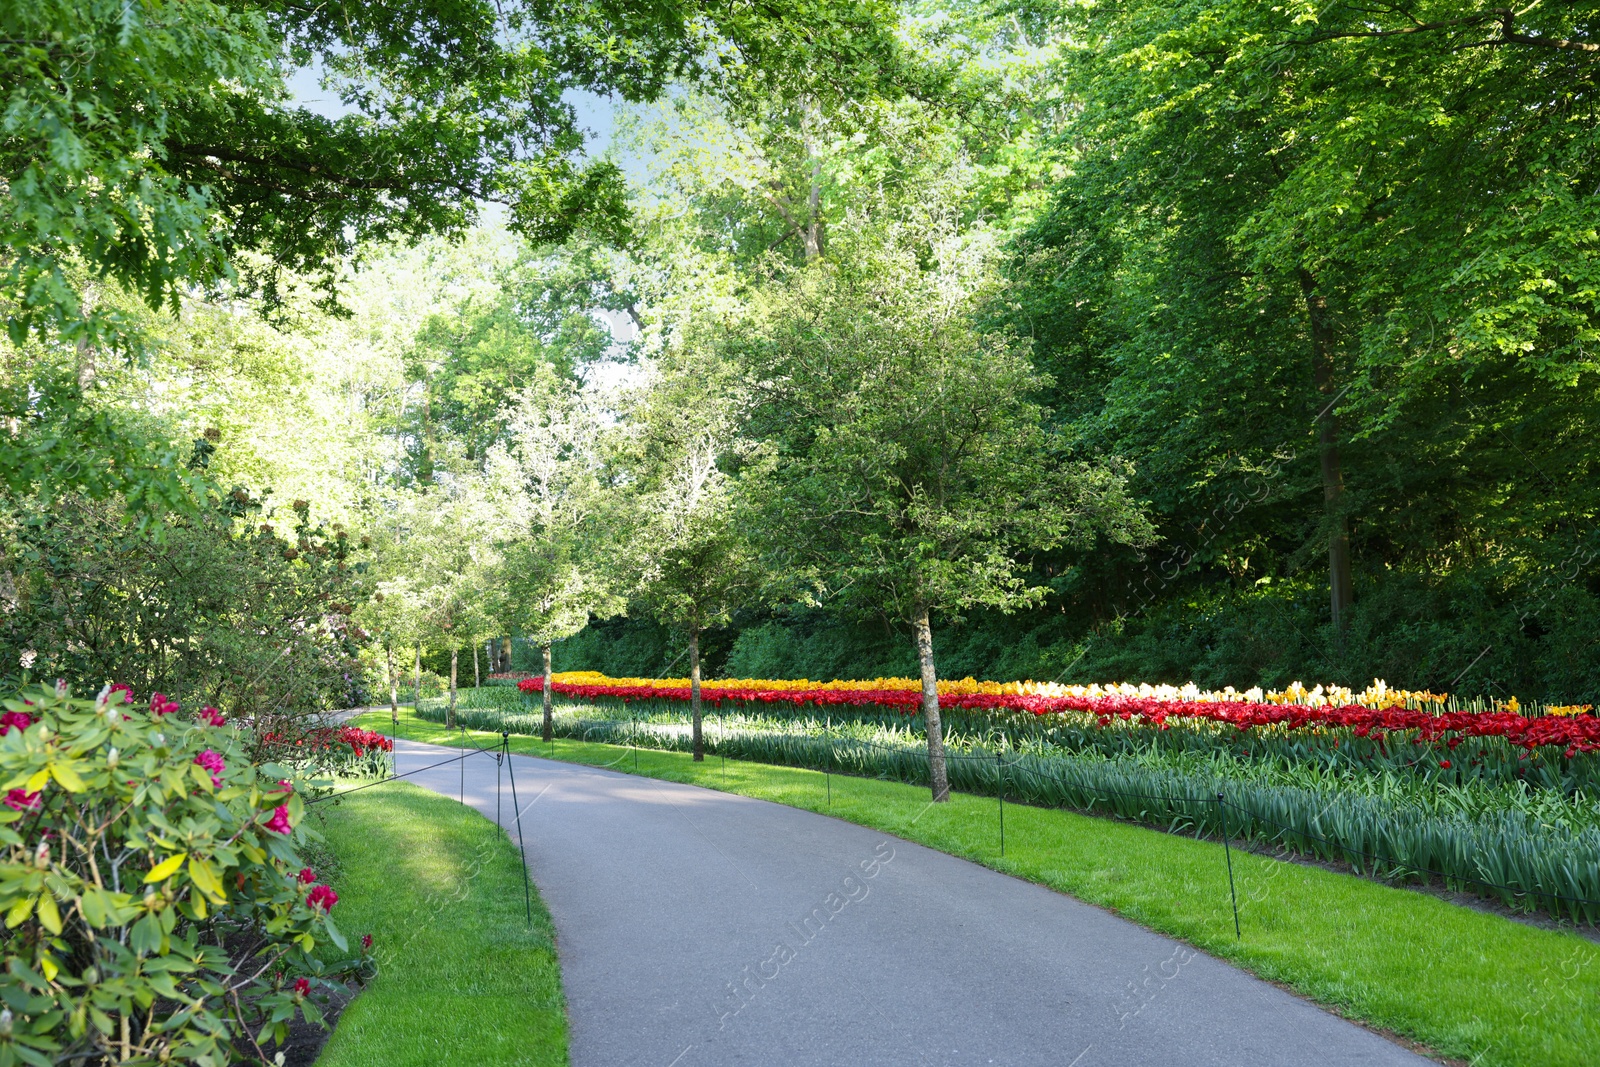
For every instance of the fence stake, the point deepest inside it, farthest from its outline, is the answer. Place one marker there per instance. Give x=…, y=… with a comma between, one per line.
x=527, y=894
x=1000, y=765
x=1227, y=852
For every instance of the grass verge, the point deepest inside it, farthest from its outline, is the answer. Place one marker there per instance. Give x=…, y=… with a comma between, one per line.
x=461, y=978
x=1464, y=984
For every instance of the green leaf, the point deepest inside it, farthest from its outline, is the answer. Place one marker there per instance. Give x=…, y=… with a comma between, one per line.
x=49, y=915
x=202, y=875
x=334, y=934
x=166, y=868
x=145, y=936
x=19, y=912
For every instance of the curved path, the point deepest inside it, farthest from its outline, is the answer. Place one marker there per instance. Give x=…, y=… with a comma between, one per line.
x=703, y=929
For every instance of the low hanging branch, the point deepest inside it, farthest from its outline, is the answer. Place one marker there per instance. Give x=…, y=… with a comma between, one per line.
x=1503, y=17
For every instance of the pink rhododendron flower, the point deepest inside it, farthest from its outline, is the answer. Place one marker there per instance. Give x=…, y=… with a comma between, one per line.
x=279, y=823
x=322, y=896
x=211, y=716
x=125, y=689
x=20, y=719
x=211, y=760
x=366, y=942
x=307, y=876
x=160, y=705
x=20, y=799
x=302, y=986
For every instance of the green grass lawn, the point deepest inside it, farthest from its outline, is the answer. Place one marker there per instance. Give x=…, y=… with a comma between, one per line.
x=1465, y=984
x=461, y=978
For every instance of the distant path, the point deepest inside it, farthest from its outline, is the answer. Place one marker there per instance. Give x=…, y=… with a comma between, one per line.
x=703, y=929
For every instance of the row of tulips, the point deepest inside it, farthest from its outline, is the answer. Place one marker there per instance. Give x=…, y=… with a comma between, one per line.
x=1376, y=695
x=1528, y=848
x=1412, y=716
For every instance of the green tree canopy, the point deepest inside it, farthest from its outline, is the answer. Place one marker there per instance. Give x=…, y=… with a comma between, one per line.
x=158, y=142
x=914, y=471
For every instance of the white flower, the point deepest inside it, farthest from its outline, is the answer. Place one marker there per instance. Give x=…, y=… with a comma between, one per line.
x=28, y=656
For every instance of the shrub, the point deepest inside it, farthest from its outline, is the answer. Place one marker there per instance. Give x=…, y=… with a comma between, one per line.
x=156, y=908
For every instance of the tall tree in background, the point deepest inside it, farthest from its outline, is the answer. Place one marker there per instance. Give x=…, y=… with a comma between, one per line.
x=447, y=539
x=689, y=546
x=914, y=471
x=1319, y=241
x=557, y=570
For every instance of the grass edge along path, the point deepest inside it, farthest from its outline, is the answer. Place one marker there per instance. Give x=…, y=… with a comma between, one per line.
x=1464, y=984
x=461, y=978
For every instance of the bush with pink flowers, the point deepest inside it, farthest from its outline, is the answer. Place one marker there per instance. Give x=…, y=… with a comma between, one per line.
x=151, y=886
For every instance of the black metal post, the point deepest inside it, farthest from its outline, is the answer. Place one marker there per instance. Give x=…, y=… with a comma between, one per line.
x=511, y=770
x=829, y=772
x=1227, y=852
x=1000, y=766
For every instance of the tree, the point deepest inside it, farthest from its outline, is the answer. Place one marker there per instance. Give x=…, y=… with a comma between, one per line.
x=394, y=615
x=160, y=144
x=446, y=537
x=914, y=469
x=689, y=546
x=560, y=519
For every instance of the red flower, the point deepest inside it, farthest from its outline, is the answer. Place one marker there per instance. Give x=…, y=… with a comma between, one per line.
x=306, y=876
x=20, y=799
x=20, y=719
x=212, y=761
x=1445, y=764
x=302, y=986
x=279, y=823
x=160, y=705
x=366, y=942
x=322, y=896
x=211, y=716
x=125, y=689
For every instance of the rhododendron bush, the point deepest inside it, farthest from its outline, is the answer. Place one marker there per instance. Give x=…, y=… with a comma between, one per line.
x=156, y=909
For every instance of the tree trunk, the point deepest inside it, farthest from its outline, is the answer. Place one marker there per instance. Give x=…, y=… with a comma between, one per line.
x=394, y=685
x=549, y=724
x=938, y=779
x=505, y=653
x=450, y=715
x=425, y=465
x=477, y=679
x=1341, y=590
x=694, y=694
x=812, y=239
x=416, y=681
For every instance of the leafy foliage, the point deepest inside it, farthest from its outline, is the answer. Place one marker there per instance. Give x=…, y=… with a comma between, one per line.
x=156, y=907
x=217, y=609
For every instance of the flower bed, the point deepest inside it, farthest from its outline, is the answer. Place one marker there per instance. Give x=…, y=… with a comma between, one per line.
x=1373, y=713
x=342, y=750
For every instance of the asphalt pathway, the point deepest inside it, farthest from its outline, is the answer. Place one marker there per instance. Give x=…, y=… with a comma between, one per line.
x=703, y=929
